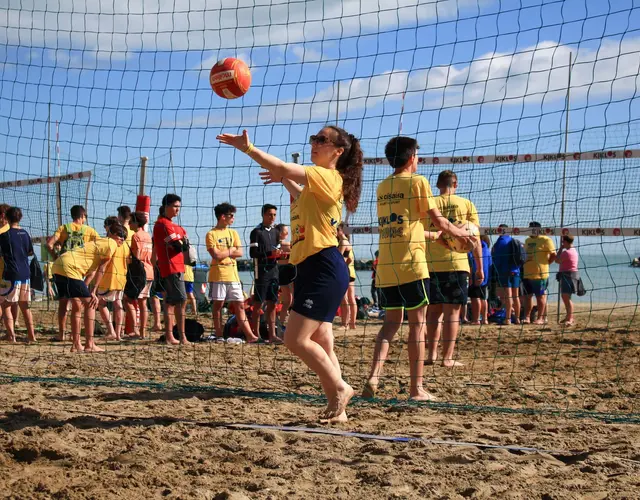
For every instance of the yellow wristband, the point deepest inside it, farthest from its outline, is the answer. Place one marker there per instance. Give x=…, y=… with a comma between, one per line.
x=249, y=149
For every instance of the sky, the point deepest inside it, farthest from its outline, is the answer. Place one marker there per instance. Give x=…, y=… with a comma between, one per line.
x=130, y=78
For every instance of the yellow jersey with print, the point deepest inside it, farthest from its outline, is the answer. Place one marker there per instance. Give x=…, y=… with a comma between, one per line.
x=77, y=263
x=225, y=270
x=455, y=209
x=115, y=274
x=62, y=234
x=188, y=274
x=402, y=201
x=316, y=213
x=538, y=249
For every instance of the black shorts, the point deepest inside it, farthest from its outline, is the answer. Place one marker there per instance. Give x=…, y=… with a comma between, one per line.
x=266, y=289
x=174, y=289
x=321, y=281
x=286, y=274
x=68, y=288
x=351, y=280
x=478, y=292
x=450, y=287
x=406, y=296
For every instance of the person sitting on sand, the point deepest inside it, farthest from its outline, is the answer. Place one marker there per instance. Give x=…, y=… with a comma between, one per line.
x=402, y=275
x=15, y=249
x=88, y=262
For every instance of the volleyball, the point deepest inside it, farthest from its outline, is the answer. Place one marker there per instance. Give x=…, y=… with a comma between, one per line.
x=463, y=245
x=230, y=78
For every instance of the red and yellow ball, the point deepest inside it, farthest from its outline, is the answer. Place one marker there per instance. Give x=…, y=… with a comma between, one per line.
x=230, y=78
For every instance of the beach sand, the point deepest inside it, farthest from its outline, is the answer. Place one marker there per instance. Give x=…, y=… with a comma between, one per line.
x=61, y=440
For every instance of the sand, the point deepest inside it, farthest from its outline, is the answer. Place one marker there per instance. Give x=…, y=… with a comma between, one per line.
x=155, y=440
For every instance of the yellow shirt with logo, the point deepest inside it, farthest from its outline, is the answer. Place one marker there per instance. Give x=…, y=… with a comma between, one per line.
x=90, y=234
x=115, y=274
x=538, y=249
x=77, y=263
x=402, y=200
x=226, y=270
x=455, y=209
x=316, y=213
x=188, y=274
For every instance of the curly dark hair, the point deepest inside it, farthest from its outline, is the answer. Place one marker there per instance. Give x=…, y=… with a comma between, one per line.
x=349, y=166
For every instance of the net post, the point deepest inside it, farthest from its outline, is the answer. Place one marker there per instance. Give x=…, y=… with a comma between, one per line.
x=143, y=174
x=338, y=104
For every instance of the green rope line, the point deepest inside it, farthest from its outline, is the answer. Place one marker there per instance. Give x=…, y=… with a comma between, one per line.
x=629, y=418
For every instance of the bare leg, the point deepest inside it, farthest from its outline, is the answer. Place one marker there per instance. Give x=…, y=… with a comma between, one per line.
x=270, y=314
x=485, y=311
x=76, y=324
x=89, y=324
x=255, y=318
x=106, y=319
x=515, y=295
x=353, y=306
x=169, y=318
x=541, y=300
x=62, y=317
x=144, y=316
x=566, y=299
x=191, y=299
x=243, y=323
x=324, y=337
x=155, y=307
x=14, y=313
x=528, y=307
x=179, y=311
x=298, y=340
x=286, y=298
x=416, y=340
x=475, y=311
x=25, y=307
x=392, y=321
x=216, y=309
x=130, y=308
x=344, y=310
x=7, y=317
x=118, y=317
x=450, y=329
x=505, y=297
x=434, y=319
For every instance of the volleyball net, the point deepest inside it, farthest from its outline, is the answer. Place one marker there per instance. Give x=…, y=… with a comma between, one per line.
x=534, y=107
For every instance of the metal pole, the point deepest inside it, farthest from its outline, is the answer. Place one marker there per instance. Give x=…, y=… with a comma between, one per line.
x=47, y=231
x=143, y=174
x=338, y=104
x=564, y=167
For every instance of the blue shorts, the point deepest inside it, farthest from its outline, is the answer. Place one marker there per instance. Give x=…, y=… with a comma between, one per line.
x=188, y=286
x=535, y=287
x=321, y=281
x=69, y=288
x=509, y=280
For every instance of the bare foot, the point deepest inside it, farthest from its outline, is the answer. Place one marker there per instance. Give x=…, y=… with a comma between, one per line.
x=429, y=362
x=172, y=341
x=539, y=322
x=276, y=340
x=93, y=348
x=485, y=322
x=9, y=338
x=370, y=389
x=339, y=402
x=451, y=363
x=253, y=340
x=32, y=341
x=77, y=348
x=422, y=395
x=111, y=337
x=507, y=323
x=474, y=323
x=185, y=342
x=525, y=322
x=342, y=418
x=352, y=327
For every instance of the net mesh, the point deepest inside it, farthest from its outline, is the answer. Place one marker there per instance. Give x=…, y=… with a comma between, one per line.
x=92, y=86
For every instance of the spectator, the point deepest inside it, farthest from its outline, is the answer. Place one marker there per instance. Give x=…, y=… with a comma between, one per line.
x=286, y=273
x=478, y=291
x=348, y=306
x=508, y=255
x=124, y=218
x=535, y=279
x=568, y=276
x=169, y=242
x=374, y=289
x=142, y=249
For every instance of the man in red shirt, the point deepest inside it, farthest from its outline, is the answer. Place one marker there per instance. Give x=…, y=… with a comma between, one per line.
x=169, y=241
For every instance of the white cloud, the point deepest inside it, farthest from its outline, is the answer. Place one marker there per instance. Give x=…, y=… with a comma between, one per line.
x=109, y=28
x=306, y=54
x=531, y=75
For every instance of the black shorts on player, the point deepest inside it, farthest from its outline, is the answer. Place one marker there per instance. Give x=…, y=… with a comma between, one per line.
x=449, y=287
x=407, y=296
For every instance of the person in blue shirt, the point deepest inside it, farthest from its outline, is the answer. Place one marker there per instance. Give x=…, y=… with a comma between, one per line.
x=478, y=292
x=16, y=248
x=508, y=255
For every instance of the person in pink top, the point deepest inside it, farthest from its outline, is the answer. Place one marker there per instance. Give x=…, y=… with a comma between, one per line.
x=142, y=249
x=568, y=275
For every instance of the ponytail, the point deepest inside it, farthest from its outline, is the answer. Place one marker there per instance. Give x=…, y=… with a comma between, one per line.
x=350, y=167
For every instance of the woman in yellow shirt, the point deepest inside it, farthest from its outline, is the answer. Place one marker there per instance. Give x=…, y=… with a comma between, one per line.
x=322, y=277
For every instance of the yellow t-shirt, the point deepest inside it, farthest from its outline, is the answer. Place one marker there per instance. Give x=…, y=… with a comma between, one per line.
x=188, y=274
x=538, y=251
x=3, y=229
x=115, y=274
x=90, y=234
x=316, y=213
x=77, y=263
x=456, y=209
x=130, y=234
x=226, y=270
x=402, y=200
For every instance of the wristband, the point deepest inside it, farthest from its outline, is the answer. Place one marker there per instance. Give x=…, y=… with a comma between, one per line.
x=249, y=149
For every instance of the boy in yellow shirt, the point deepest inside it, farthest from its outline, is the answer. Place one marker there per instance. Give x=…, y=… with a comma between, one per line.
x=449, y=270
x=224, y=246
x=77, y=270
x=540, y=253
x=402, y=275
x=69, y=236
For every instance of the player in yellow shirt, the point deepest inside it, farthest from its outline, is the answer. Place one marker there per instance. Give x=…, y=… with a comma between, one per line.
x=322, y=277
x=77, y=270
x=224, y=246
x=111, y=287
x=67, y=237
x=189, y=278
x=348, y=306
x=124, y=218
x=449, y=271
x=402, y=276
x=540, y=253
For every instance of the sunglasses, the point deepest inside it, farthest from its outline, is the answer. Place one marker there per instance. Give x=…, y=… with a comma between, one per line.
x=229, y=216
x=320, y=140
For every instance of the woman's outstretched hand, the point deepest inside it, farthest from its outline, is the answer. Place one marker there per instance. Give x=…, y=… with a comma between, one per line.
x=268, y=178
x=240, y=142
